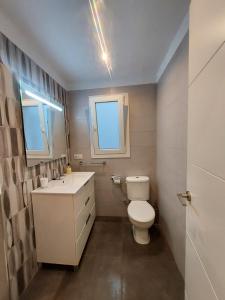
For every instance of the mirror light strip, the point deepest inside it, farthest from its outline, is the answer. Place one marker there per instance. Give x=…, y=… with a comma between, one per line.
x=28, y=93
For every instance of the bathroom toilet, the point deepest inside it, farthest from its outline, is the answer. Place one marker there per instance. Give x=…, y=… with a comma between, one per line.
x=140, y=212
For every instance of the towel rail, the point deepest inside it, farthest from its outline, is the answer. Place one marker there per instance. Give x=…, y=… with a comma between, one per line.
x=90, y=163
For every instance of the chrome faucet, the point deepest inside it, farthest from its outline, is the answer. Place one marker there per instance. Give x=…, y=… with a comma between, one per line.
x=56, y=174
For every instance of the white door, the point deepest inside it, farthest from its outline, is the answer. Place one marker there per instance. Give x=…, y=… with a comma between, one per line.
x=205, y=233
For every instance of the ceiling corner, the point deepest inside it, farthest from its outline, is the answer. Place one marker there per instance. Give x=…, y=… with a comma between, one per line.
x=178, y=38
x=25, y=43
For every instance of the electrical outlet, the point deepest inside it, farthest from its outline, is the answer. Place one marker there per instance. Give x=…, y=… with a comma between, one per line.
x=78, y=156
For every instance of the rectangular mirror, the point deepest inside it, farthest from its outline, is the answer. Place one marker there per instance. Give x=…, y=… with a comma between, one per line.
x=43, y=127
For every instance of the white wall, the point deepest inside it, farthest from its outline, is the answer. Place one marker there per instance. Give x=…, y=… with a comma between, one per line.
x=171, y=140
x=24, y=41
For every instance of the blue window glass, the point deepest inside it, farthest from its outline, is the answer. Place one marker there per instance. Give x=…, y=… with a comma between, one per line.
x=107, y=114
x=32, y=128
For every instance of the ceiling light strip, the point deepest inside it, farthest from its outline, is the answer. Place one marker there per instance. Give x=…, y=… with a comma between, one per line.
x=99, y=23
x=101, y=38
x=96, y=27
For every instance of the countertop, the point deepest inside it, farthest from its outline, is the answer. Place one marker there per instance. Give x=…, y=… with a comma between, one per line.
x=70, y=184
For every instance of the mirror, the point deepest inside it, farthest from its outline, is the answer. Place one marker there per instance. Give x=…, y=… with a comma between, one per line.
x=43, y=127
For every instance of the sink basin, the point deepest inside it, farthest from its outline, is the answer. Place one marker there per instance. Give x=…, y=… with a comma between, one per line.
x=70, y=184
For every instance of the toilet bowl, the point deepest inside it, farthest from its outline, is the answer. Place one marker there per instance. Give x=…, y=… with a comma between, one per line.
x=141, y=215
x=140, y=212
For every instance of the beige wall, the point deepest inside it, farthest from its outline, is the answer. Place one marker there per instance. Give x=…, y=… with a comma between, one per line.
x=171, y=138
x=142, y=104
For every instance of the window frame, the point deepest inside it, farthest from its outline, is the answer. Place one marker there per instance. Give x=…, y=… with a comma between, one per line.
x=124, y=150
x=47, y=152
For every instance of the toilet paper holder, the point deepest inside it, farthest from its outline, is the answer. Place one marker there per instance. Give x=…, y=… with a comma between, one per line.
x=184, y=197
x=116, y=179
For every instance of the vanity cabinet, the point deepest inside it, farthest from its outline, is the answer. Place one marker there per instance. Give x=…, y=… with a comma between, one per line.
x=64, y=214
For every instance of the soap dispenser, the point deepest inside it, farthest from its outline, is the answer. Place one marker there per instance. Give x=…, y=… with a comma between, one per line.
x=68, y=169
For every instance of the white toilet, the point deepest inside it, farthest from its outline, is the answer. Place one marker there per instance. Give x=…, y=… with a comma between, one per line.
x=140, y=212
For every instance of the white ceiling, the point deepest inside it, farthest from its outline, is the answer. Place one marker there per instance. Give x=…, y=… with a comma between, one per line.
x=138, y=34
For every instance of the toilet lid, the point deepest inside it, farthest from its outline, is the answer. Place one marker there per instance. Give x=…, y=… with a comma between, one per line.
x=141, y=211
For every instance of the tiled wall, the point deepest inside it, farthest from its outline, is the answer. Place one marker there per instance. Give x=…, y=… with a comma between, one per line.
x=17, y=182
x=4, y=288
x=142, y=104
x=171, y=135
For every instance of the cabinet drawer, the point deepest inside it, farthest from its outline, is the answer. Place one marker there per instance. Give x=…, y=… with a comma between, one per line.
x=82, y=196
x=81, y=242
x=83, y=215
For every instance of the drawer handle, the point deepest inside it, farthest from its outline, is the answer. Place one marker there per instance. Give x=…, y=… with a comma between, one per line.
x=88, y=218
x=86, y=183
x=86, y=202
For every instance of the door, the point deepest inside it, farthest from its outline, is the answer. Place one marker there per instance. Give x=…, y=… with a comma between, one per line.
x=205, y=230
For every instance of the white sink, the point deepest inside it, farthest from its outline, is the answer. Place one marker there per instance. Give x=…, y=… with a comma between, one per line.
x=70, y=184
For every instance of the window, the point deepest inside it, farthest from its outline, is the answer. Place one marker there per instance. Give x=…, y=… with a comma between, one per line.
x=36, y=128
x=109, y=116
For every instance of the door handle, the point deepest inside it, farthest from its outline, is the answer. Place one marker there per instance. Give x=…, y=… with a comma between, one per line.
x=184, y=197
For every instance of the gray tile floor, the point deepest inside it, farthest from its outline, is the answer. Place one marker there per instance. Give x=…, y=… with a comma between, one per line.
x=113, y=267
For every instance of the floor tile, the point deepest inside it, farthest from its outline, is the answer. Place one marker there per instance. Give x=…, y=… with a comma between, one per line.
x=106, y=239
x=113, y=267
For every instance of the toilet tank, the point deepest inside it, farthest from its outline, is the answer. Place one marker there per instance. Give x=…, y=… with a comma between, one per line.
x=138, y=188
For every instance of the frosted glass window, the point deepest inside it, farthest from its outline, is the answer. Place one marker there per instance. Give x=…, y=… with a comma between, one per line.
x=109, y=126
x=107, y=114
x=32, y=128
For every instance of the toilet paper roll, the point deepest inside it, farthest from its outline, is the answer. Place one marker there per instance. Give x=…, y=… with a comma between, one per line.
x=116, y=180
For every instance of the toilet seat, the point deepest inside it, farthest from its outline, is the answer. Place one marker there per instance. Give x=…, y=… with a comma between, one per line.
x=141, y=211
